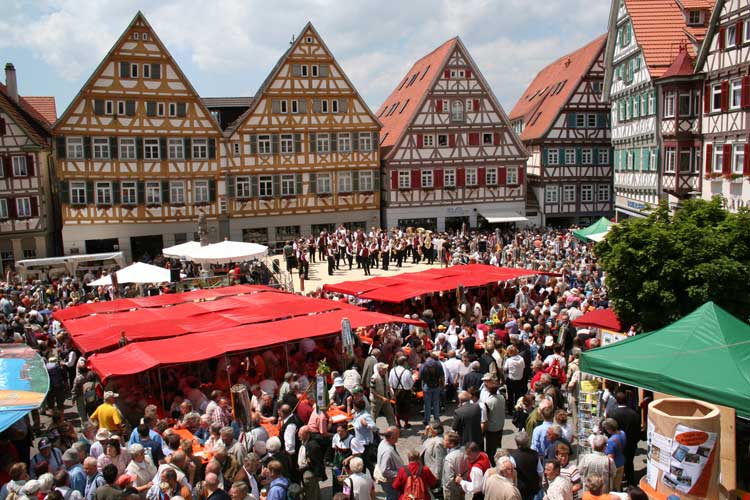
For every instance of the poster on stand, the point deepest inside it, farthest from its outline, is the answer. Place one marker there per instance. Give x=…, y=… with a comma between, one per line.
x=691, y=453
x=607, y=337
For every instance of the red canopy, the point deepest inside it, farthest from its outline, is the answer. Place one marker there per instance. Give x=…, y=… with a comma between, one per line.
x=599, y=318
x=141, y=356
x=406, y=286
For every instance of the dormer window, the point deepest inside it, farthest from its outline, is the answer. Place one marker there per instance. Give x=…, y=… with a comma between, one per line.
x=136, y=35
x=308, y=39
x=695, y=18
x=144, y=37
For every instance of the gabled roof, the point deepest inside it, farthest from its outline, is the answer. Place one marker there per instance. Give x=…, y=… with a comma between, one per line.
x=698, y=4
x=548, y=93
x=138, y=17
x=681, y=66
x=27, y=116
x=713, y=27
x=227, y=102
x=424, y=73
x=660, y=30
x=44, y=106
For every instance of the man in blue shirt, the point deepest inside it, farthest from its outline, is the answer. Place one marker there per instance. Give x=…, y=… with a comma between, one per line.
x=149, y=422
x=364, y=425
x=72, y=462
x=539, y=436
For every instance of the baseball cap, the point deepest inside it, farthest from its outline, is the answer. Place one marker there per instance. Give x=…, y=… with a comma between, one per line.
x=338, y=382
x=44, y=443
x=111, y=394
x=487, y=377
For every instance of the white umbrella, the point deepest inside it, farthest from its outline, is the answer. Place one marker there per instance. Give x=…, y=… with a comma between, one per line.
x=227, y=251
x=181, y=250
x=137, y=273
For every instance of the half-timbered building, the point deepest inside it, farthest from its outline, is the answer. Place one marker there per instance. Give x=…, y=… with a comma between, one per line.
x=564, y=125
x=137, y=153
x=725, y=60
x=449, y=154
x=27, y=218
x=645, y=37
x=304, y=156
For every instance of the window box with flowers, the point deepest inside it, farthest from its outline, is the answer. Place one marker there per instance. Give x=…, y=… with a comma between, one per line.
x=733, y=177
x=713, y=176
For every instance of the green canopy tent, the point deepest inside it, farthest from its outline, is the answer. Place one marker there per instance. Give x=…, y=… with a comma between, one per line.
x=705, y=356
x=595, y=232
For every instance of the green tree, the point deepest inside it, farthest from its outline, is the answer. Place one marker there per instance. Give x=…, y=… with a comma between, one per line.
x=664, y=266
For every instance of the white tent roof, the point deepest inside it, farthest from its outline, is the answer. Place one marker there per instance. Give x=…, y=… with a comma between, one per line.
x=597, y=237
x=227, y=251
x=181, y=250
x=137, y=273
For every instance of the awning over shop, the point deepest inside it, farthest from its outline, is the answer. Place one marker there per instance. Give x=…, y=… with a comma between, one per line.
x=599, y=318
x=23, y=382
x=705, y=356
x=497, y=216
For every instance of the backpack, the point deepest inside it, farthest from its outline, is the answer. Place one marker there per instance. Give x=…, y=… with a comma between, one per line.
x=431, y=377
x=415, y=489
x=89, y=393
x=556, y=372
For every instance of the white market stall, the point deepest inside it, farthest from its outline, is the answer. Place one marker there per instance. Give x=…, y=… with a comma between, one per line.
x=225, y=252
x=182, y=250
x=137, y=273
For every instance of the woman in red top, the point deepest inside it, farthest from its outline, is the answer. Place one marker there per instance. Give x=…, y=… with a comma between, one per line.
x=416, y=469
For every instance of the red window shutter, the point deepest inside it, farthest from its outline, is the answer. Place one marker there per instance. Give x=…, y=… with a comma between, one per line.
x=7, y=167
x=707, y=98
x=722, y=38
x=709, y=157
x=394, y=179
x=726, y=165
x=725, y=95
x=439, y=105
x=521, y=173
x=475, y=105
x=30, y=165
x=460, y=177
x=745, y=96
x=482, y=176
x=12, y=213
x=468, y=73
x=438, y=177
x=416, y=179
x=447, y=73
x=420, y=140
x=746, y=166
x=738, y=33
x=473, y=139
x=452, y=140
x=2, y=126
x=34, y=206
x=497, y=138
x=502, y=176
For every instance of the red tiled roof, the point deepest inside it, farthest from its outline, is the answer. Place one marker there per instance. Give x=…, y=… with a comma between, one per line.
x=682, y=65
x=698, y=4
x=44, y=106
x=660, y=30
x=552, y=87
x=408, y=95
x=26, y=116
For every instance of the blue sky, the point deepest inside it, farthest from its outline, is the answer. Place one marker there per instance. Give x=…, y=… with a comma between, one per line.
x=227, y=47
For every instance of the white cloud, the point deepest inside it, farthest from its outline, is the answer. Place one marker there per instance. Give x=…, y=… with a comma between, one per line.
x=236, y=42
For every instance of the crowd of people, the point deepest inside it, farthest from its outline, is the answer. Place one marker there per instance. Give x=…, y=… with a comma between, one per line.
x=507, y=353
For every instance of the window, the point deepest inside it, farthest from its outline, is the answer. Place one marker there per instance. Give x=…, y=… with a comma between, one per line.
x=288, y=185
x=669, y=160
x=109, y=107
x=309, y=39
x=365, y=141
x=695, y=18
x=176, y=149
x=314, y=70
x=101, y=148
x=200, y=149
x=242, y=187
x=449, y=177
x=669, y=105
x=144, y=36
x=172, y=109
x=604, y=157
x=580, y=120
x=127, y=148
x=322, y=143
x=471, y=177
x=569, y=193
x=153, y=193
x=488, y=139
x=103, y=193
x=738, y=158
x=146, y=71
x=344, y=182
x=303, y=70
x=133, y=70
x=511, y=176
x=77, y=193
x=3, y=208
x=121, y=108
x=731, y=31
x=345, y=142
x=697, y=160
x=160, y=109
x=551, y=194
x=746, y=31
x=366, y=182
x=283, y=106
x=553, y=156
x=570, y=156
x=602, y=192
x=129, y=193
x=404, y=179
x=286, y=142
x=236, y=148
x=135, y=35
x=323, y=183
x=74, y=148
x=651, y=101
x=265, y=186
x=716, y=97
x=23, y=207
x=19, y=166
x=295, y=106
x=718, y=163
x=491, y=176
x=324, y=106
x=591, y=119
x=334, y=106
x=587, y=156
x=457, y=111
x=683, y=105
x=587, y=193
x=735, y=94
x=442, y=140
x=151, y=149
x=427, y=179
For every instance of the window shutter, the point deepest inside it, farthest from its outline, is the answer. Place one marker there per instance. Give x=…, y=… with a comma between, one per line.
x=181, y=108
x=275, y=144
x=355, y=181
x=11, y=207
x=3, y=129
x=130, y=108
x=230, y=183
x=420, y=141
x=722, y=38
x=394, y=179
x=375, y=141
x=502, y=176
x=452, y=140
x=738, y=33
x=90, y=193
x=313, y=143
x=521, y=174
x=113, y=148
x=312, y=186
x=140, y=194
x=316, y=106
x=150, y=108
x=64, y=192
x=334, y=142
x=595, y=156
x=460, y=177
x=124, y=69
x=34, y=202
x=438, y=177
x=275, y=106
x=343, y=105
x=276, y=185
x=468, y=75
x=165, y=192
x=416, y=179
x=706, y=98
x=579, y=156
x=30, y=165
x=253, y=144
x=571, y=120
x=162, y=148
x=115, y=193
x=297, y=143
x=303, y=105
x=475, y=105
x=725, y=95
x=439, y=105
x=745, y=95
x=60, y=143
x=482, y=176
x=323, y=70
x=447, y=74
x=87, y=148
x=726, y=165
x=298, y=184
x=211, y=148
x=139, y=148
x=212, y=190
x=156, y=71
x=296, y=70
x=496, y=138
x=544, y=156
x=746, y=164
x=355, y=141
x=376, y=181
x=98, y=107
x=7, y=167
x=188, y=148
x=601, y=120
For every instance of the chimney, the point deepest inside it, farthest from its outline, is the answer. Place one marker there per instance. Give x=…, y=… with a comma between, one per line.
x=10, y=81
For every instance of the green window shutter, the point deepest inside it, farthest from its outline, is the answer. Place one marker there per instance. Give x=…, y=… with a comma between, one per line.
x=150, y=108
x=164, y=192
x=64, y=192
x=544, y=157
x=156, y=71
x=297, y=143
x=571, y=120
x=595, y=156
x=141, y=192
x=230, y=186
x=355, y=141
x=162, y=148
x=129, y=108
x=212, y=190
x=275, y=106
x=124, y=69
x=115, y=193
x=334, y=142
x=276, y=185
x=275, y=144
x=113, y=148
x=181, y=109
x=98, y=106
x=87, y=148
x=601, y=120
x=298, y=184
x=139, y=148
x=253, y=144
x=312, y=187
x=376, y=180
x=355, y=182
x=579, y=156
x=188, y=148
x=60, y=142
x=89, y=192
x=211, y=148
x=303, y=105
x=253, y=186
x=313, y=145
